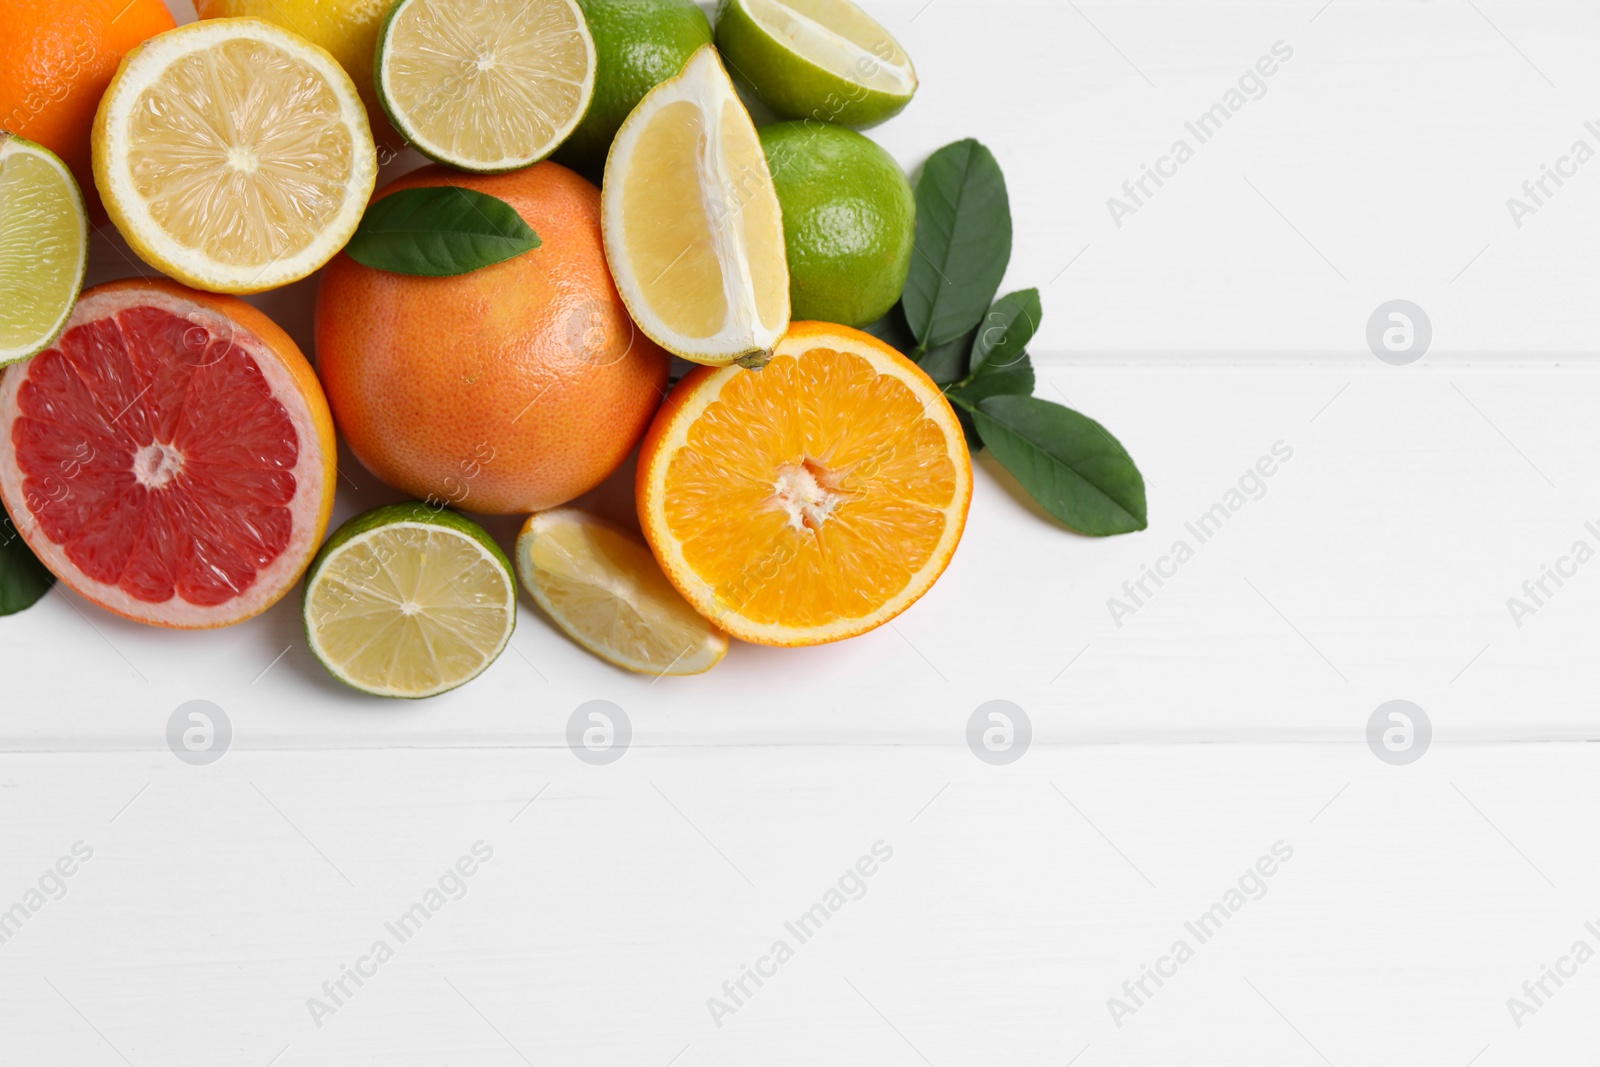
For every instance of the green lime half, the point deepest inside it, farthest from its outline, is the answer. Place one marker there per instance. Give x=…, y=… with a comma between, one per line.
x=44, y=247
x=818, y=59
x=485, y=85
x=849, y=221
x=638, y=44
x=409, y=601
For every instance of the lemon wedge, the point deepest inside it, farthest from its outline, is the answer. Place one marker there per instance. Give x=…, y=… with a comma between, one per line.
x=693, y=230
x=607, y=592
x=233, y=155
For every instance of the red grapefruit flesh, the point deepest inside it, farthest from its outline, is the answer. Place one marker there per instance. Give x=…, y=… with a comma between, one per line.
x=171, y=457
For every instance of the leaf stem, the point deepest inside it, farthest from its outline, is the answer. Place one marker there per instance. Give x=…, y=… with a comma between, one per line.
x=959, y=401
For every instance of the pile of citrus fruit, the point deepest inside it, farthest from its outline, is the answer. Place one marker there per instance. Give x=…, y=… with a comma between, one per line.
x=494, y=332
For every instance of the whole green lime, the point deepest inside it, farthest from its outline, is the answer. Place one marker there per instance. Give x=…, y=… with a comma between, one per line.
x=638, y=45
x=849, y=221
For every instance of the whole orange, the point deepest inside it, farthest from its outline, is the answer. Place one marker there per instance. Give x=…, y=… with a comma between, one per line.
x=512, y=388
x=55, y=61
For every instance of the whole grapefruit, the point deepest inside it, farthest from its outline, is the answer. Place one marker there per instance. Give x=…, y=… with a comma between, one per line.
x=509, y=389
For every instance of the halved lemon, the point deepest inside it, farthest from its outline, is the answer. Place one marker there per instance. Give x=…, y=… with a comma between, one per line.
x=44, y=247
x=693, y=231
x=409, y=600
x=812, y=501
x=233, y=155
x=826, y=60
x=485, y=85
x=607, y=592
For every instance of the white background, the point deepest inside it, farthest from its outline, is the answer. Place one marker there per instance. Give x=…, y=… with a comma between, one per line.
x=1169, y=753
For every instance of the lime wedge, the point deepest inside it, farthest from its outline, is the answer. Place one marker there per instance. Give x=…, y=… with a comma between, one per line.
x=485, y=85
x=816, y=59
x=44, y=247
x=605, y=589
x=409, y=601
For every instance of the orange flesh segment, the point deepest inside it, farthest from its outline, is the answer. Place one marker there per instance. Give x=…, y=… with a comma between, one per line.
x=811, y=491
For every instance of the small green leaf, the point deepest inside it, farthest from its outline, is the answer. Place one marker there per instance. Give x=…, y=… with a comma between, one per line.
x=947, y=363
x=1006, y=331
x=1077, y=471
x=963, y=243
x=438, y=231
x=23, y=579
x=893, y=331
x=1015, y=379
x=944, y=364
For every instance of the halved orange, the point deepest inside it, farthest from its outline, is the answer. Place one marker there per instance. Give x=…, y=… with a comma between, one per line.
x=809, y=501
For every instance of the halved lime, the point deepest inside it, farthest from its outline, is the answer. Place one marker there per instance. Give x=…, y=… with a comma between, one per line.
x=816, y=59
x=409, y=601
x=485, y=85
x=604, y=588
x=44, y=247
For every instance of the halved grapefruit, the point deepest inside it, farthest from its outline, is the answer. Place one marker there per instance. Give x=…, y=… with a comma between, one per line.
x=171, y=457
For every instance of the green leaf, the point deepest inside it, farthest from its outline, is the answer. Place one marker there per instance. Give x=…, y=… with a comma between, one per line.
x=1077, y=471
x=947, y=363
x=893, y=331
x=1014, y=379
x=23, y=579
x=963, y=243
x=1006, y=331
x=438, y=231
x=944, y=364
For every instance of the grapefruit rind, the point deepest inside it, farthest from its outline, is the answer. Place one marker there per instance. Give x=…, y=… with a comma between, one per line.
x=690, y=399
x=308, y=413
x=370, y=528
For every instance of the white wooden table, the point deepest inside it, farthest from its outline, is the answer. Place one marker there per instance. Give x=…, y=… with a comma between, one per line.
x=1175, y=740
